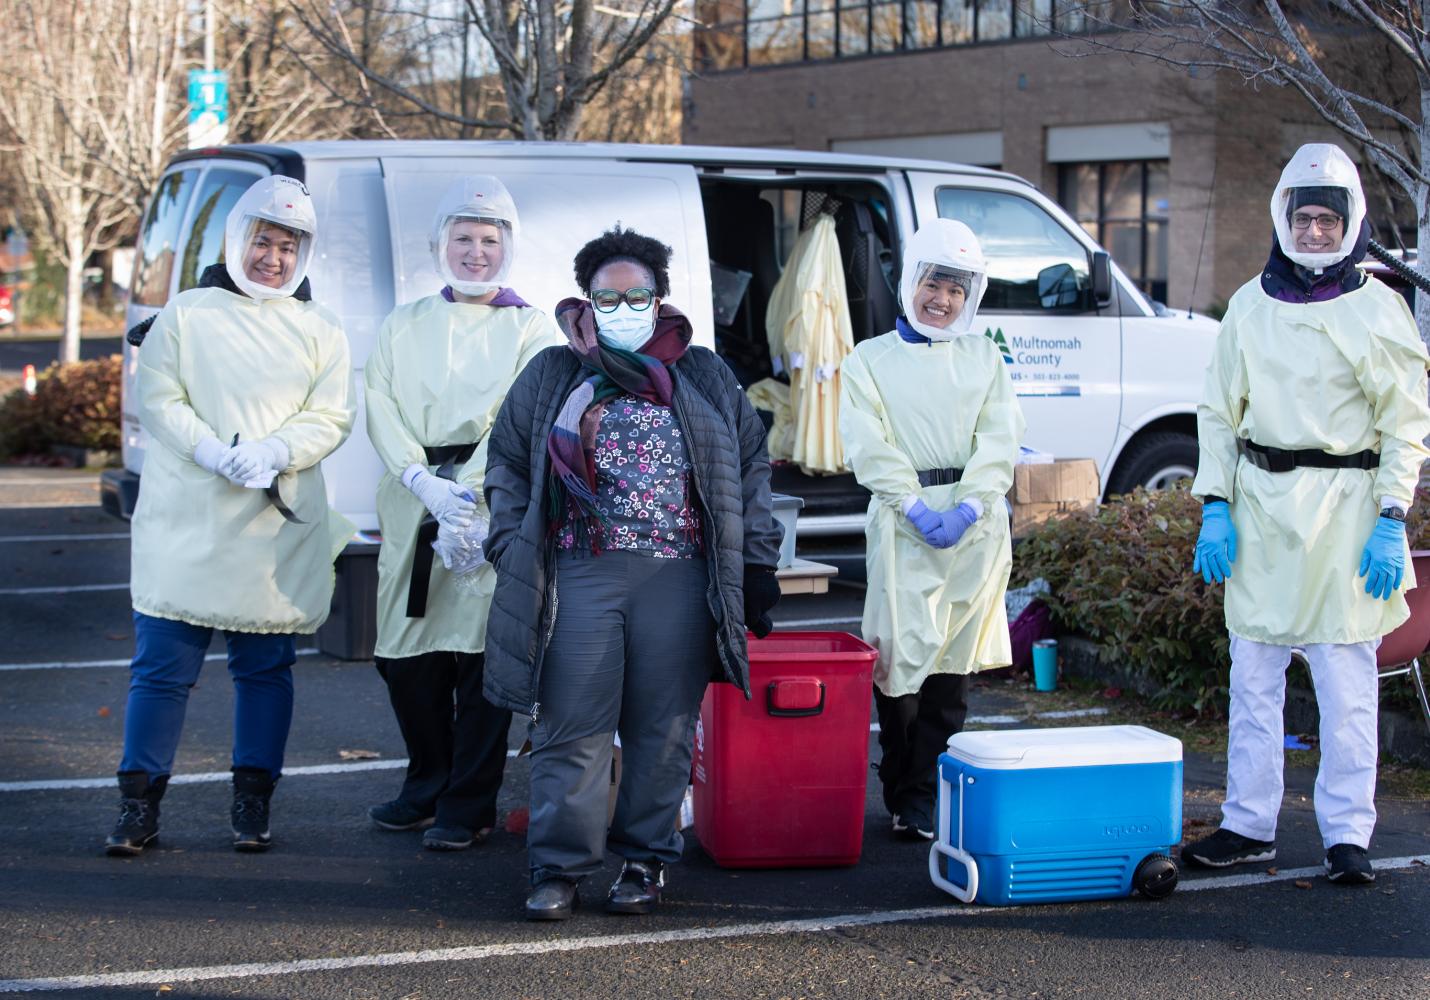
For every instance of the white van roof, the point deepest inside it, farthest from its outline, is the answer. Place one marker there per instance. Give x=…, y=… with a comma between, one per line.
x=698, y=155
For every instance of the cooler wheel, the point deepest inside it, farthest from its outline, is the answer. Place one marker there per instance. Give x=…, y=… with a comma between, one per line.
x=1156, y=876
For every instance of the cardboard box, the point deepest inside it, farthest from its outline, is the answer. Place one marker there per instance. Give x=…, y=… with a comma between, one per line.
x=1042, y=491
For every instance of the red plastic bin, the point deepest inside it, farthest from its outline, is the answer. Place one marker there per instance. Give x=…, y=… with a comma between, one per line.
x=780, y=780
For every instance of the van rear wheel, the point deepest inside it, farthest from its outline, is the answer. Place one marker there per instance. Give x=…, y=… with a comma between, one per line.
x=1155, y=461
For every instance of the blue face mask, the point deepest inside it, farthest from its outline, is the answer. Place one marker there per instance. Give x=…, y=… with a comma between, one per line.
x=625, y=328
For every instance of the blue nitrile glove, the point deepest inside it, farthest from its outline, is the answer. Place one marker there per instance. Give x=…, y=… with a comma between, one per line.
x=1216, y=545
x=957, y=521
x=927, y=523
x=1383, y=561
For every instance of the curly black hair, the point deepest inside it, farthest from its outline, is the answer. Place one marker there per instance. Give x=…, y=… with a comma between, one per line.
x=617, y=244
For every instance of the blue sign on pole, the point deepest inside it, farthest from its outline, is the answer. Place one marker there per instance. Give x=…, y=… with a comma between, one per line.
x=208, y=107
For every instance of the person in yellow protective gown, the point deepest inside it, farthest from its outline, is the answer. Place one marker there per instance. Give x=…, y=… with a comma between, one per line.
x=435, y=382
x=244, y=386
x=808, y=326
x=1311, y=426
x=931, y=427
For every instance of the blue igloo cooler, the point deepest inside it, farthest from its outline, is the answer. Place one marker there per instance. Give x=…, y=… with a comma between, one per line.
x=1051, y=815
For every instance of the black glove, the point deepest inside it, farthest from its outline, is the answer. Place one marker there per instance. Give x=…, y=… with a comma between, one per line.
x=762, y=593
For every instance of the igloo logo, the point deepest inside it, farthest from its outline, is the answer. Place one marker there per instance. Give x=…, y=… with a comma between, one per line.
x=1117, y=831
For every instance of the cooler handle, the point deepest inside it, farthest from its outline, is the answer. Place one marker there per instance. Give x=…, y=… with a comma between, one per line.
x=792, y=713
x=939, y=847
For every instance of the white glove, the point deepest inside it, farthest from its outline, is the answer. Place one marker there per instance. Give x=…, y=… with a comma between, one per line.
x=251, y=459
x=452, y=504
x=209, y=454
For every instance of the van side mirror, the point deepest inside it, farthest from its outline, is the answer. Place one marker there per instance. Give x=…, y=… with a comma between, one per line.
x=1057, y=287
x=1101, y=278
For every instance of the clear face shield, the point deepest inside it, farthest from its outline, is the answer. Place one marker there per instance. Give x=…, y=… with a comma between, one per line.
x=475, y=253
x=943, y=299
x=274, y=259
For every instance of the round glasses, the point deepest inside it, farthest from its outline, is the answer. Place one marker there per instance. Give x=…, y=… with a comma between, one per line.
x=1324, y=223
x=607, y=299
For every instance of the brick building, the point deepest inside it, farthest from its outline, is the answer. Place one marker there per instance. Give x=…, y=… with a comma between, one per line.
x=1130, y=147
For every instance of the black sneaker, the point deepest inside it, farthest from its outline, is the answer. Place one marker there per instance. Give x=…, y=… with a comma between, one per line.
x=914, y=823
x=1224, y=849
x=399, y=815
x=453, y=838
x=252, y=790
x=637, y=889
x=138, y=823
x=1347, y=864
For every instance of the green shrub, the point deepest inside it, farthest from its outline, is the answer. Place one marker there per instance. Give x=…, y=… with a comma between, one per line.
x=1122, y=575
x=74, y=404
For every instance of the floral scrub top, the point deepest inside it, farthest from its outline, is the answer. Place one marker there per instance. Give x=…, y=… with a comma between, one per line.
x=644, y=492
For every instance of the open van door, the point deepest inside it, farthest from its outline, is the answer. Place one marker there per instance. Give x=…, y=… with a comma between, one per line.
x=1060, y=334
x=563, y=203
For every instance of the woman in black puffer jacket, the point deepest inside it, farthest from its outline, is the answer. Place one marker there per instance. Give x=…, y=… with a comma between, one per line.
x=633, y=538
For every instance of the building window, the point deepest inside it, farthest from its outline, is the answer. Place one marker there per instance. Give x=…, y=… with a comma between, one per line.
x=736, y=34
x=1123, y=205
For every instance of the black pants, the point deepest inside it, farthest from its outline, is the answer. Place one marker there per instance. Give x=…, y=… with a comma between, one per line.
x=456, y=739
x=913, y=730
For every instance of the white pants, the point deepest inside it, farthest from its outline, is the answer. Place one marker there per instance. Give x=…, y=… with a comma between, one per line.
x=1347, y=694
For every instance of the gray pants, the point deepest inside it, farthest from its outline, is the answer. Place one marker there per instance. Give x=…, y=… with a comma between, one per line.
x=632, y=651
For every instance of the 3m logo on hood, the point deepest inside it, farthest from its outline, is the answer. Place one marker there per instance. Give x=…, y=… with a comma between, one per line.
x=997, y=337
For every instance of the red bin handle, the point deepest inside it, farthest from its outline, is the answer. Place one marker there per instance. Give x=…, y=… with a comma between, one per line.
x=795, y=697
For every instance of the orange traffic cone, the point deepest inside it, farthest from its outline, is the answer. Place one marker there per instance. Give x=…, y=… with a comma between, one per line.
x=30, y=380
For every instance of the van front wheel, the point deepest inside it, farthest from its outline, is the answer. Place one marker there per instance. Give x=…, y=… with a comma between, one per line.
x=1154, y=461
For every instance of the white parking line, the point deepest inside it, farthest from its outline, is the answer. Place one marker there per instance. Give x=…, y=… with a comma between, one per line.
x=510, y=949
x=57, y=481
x=806, y=622
x=82, y=664
x=104, y=537
x=78, y=589
x=204, y=777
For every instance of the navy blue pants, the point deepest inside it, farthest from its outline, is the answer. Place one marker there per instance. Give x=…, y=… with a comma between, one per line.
x=168, y=656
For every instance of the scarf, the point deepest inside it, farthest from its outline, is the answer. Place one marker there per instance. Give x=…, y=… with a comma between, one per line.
x=571, y=482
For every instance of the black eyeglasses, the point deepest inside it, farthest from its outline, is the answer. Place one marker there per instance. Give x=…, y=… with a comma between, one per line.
x=607, y=299
x=1324, y=223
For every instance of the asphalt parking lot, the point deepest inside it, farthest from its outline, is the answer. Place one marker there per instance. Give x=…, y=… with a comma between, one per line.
x=338, y=909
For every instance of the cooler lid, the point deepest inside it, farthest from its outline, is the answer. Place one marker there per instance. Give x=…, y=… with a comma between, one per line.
x=1078, y=746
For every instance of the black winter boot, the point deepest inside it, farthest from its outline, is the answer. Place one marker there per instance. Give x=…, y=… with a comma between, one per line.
x=252, y=788
x=138, y=823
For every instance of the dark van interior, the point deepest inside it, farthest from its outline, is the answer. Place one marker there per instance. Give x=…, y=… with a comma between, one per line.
x=751, y=228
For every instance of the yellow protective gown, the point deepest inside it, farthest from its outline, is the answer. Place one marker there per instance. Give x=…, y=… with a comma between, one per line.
x=1339, y=376
x=438, y=376
x=807, y=323
x=205, y=551
x=773, y=395
x=910, y=407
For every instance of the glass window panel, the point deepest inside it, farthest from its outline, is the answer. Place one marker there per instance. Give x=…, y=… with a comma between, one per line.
x=1122, y=191
x=1020, y=240
x=720, y=47
x=778, y=40
x=1077, y=184
x=221, y=190
x=888, y=26
x=818, y=6
x=1124, y=241
x=995, y=20
x=1155, y=282
x=819, y=35
x=758, y=10
x=1158, y=185
x=921, y=24
x=957, y=22
x=159, y=239
x=1032, y=17
x=853, y=31
x=1070, y=16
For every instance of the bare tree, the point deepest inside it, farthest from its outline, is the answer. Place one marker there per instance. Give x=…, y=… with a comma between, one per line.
x=552, y=58
x=1317, y=49
x=88, y=108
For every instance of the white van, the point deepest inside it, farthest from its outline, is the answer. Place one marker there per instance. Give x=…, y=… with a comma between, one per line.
x=1101, y=371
